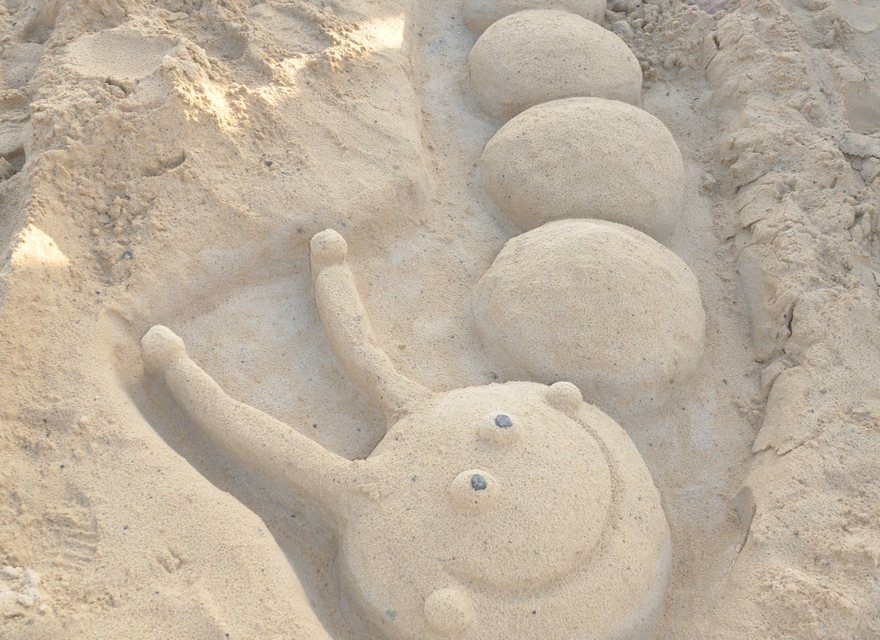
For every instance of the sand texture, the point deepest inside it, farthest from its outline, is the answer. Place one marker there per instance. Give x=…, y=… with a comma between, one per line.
x=478, y=15
x=465, y=319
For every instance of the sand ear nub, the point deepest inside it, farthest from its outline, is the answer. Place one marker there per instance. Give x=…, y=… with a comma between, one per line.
x=449, y=611
x=327, y=248
x=565, y=397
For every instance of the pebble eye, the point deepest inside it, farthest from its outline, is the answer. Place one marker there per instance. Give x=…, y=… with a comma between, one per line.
x=498, y=428
x=478, y=482
x=474, y=490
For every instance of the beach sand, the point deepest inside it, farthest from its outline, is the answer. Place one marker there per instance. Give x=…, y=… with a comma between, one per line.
x=167, y=163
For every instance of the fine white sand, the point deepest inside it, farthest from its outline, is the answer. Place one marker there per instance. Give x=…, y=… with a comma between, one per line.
x=167, y=163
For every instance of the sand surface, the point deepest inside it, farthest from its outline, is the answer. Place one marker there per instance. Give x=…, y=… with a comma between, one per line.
x=168, y=163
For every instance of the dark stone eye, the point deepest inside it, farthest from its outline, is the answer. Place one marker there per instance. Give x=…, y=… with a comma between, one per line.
x=503, y=421
x=478, y=482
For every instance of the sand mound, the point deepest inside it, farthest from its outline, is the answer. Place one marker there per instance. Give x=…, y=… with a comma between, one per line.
x=532, y=57
x=121, y=54
x=479, y=14
x=585, y=158
x=596, y=303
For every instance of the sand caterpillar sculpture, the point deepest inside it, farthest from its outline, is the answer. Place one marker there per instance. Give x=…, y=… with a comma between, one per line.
x=587, y=292
x=502, y=511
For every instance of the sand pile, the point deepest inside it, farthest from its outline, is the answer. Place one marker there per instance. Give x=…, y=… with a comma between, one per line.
x=416, y=470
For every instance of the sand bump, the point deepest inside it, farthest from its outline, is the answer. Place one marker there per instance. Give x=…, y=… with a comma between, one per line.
x=596, y=303
x=532, y=57
x=585, y=158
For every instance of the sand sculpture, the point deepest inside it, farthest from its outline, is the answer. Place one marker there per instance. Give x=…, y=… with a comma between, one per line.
x=480, y=14
x=154, y=146
x=585, y=158
x=531, y=57
x=515, y=509
x=509, y=510
x=633, y=305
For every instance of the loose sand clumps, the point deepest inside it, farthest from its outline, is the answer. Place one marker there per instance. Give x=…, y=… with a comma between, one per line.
x=596, y=303
x=479, y=14
x=532, y=57
x=585, y=158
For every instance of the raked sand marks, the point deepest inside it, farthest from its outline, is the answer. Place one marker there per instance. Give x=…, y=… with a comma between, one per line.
x=531, y=57
x=585, y=158
x=499, y=511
